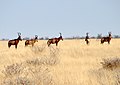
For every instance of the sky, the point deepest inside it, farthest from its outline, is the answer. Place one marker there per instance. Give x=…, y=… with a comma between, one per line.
x=47, y=18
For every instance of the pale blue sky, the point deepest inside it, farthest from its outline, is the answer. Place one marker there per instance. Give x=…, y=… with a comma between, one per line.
x=47, y=18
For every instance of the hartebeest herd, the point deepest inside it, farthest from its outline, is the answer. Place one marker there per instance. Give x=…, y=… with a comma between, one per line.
x=32, y=41
x=52, y=40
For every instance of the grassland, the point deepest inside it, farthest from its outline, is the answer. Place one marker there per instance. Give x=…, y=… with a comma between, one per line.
x=71, y=63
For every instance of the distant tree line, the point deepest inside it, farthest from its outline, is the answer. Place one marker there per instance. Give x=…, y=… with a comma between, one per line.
x=99, y=36
x=74, y=37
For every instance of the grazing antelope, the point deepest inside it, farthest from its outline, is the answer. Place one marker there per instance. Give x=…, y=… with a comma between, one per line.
x=86, y=39
x=32, y=41
x=106, y=39
x=54, y=40
x=15, y=41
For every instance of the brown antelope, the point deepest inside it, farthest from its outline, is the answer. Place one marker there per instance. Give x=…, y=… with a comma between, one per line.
x=54, y=40
x=86, y=39
x=31, y=41
x=15, y=41
x=106, y=39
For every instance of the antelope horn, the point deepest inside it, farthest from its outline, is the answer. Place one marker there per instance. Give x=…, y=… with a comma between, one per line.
x=36, y=35
x=60, y=34
x=87, y=33
x=109, y=32
x=19, y=33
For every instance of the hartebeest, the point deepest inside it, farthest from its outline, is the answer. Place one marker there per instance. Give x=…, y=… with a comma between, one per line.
x=87, y=39
x=106, y=39
x=54, y=40
x=14, y=41
x=31, y=41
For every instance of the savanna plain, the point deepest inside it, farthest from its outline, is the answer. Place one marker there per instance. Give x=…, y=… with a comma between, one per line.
x=72, y=62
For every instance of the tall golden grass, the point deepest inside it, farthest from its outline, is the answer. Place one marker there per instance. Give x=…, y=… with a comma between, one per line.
x=71, y=63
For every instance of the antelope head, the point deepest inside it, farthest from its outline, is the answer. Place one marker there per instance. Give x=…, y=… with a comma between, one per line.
x=109, y=34
x=61, y=37
x=36, y=38
x=87, y=34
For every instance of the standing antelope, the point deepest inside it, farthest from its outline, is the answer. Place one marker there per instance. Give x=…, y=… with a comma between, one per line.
x=86, y=39
x=15, y=41
x=106, y=39
x=54, y=40
x=31, y=41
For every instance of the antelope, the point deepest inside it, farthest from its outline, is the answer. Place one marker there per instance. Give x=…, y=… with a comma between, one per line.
x=15, y=41
x=54, y=40
x=31, y=41
x=86, y=39
x=106, y=39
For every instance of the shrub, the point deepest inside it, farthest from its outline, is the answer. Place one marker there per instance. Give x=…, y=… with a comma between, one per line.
x=13, y=69
x=111, y=63
x=18, y=81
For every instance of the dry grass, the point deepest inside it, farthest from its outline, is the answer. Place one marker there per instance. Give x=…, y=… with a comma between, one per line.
x=71, y=63
x=111, y=63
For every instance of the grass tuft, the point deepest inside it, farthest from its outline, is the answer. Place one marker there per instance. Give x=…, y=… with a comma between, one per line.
x=111, y=63
x=13, y=69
